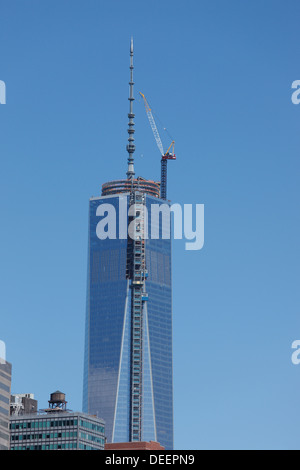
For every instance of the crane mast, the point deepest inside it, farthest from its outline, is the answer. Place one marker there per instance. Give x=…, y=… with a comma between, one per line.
x=165, y=156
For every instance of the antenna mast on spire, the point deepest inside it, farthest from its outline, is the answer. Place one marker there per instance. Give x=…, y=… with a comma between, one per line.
x=130, y=146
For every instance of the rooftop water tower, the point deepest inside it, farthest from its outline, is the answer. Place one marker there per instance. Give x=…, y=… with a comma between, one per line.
x=57, y=402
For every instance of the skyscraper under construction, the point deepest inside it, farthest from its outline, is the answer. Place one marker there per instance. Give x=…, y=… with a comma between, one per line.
x=128, y=376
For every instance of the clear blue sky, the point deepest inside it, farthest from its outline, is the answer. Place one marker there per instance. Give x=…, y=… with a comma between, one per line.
x=218, y=75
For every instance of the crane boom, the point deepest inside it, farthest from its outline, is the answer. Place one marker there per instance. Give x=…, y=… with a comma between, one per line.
x=153, y=125
x=165, y=156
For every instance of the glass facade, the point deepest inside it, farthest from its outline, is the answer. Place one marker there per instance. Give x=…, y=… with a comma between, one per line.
x=57, y=431
x=159, y=306
x=108, y=339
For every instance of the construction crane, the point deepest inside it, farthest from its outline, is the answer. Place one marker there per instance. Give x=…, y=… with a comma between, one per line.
x=165, y=156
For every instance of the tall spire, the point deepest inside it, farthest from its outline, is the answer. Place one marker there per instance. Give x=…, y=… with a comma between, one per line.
x=130, y=146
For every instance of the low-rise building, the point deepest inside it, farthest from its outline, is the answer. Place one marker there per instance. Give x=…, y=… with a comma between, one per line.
x=56, y=428
x=143, y=445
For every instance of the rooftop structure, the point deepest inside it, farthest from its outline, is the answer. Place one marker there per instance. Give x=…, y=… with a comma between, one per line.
x=126, y=186
x=23, y=403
